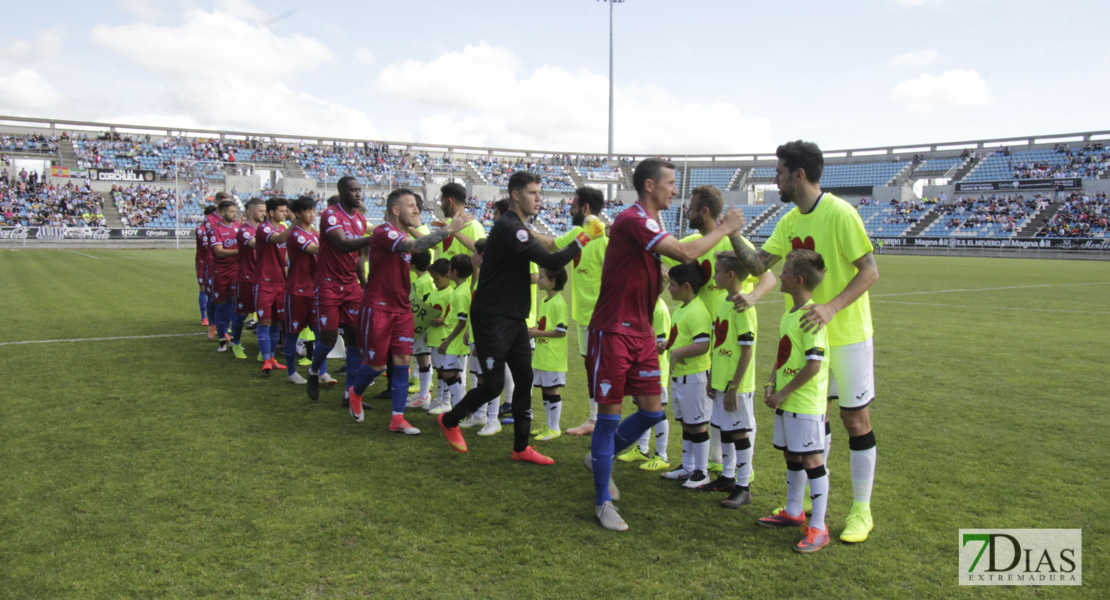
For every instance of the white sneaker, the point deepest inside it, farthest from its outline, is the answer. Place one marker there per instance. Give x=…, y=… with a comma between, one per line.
x=298, y=379
x=440, y=408
x=417, y=401
x=614, y=493
x=607, y=514
x=327, y=379
x=490, y=428
x=696, y=480
x=679, y=474
x=474, y=421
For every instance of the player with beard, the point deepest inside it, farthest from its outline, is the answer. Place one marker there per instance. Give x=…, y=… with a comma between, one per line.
x=253, y=211
x=830, y=226
x=385, y=315
x=340, y=277
x=703, y=210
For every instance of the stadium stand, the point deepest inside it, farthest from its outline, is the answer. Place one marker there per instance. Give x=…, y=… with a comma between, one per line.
x=495, y=172
x=720, y=177
x=1091, y=161
x=26, y=201
x=29, y=144
x=986, y=216
x=1082, y=215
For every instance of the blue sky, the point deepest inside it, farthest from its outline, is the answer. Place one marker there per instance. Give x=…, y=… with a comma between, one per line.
x=697, y=77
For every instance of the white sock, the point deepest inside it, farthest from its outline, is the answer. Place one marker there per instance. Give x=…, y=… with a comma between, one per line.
x=662, y=438
x=863, y=473
x=819, y=495
x=492, y=408
x=700, y=450
x=728, y=459
x=744, y=461
x=593, y=410
x=687, y=454
x=715, y=444
x=456, y=390
x=441, y=390
x=554, y=415
x=642, y=443
x=795, y=488
x=425, y=383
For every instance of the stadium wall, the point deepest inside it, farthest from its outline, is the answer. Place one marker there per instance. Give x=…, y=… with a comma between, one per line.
x=243, y=185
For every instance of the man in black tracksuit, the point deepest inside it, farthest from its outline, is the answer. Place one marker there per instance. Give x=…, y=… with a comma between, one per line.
x=498, y=312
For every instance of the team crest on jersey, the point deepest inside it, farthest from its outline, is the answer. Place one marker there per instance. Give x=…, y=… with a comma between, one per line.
x=296, y=324
x=522, y=235
x=323, y=320
x=605, y=387
x=652, y=225
x=300, y=238
x=332, y=220
x=392, y=234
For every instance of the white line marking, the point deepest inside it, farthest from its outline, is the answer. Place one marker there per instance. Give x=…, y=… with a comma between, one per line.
x=103, y=339
x=86, y=255
x=1010, y=287
x=1058, y=310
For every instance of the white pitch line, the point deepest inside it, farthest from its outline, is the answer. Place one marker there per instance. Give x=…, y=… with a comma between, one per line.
x=86, y=255
x=102, y=339
x=1058, y=310
x=992, y=289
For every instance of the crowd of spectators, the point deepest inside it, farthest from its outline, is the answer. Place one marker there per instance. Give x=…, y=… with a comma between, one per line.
x=1010, y=212
x=1089, y=162
x=27, y=200
x=35, y=142
x=1082, y=215
x=138, y=205
x=497, y=172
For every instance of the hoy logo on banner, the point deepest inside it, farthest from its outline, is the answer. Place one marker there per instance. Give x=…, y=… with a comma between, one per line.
x=1021, y=557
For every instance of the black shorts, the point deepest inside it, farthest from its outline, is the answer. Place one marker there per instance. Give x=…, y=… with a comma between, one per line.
x=497, y=337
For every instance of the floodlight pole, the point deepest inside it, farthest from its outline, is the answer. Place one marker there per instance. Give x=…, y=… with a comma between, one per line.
x=611, y=3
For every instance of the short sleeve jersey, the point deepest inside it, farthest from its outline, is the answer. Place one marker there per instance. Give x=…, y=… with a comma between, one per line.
x=585, y=274
x=460, y=312
x=209, y=225
x=302, y=265
x=450, y=246
x=661, y=323
x=270, y=270
x=439, y=304
x=420, y=290
x=732, y=331
x=388, y=287
x=710, y=293
x=630, y=275
x=224, y=235
x=690, y=325
x=248, y=257
x=796, y=346
x=835, y=231
x=551, y=353
x=335, y=268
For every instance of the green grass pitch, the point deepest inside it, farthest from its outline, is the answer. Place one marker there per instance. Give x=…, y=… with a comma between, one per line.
x=156, y=468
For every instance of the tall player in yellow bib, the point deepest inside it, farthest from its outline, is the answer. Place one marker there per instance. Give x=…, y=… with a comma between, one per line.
x=822, y=222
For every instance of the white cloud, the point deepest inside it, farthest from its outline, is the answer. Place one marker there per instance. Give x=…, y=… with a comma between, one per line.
x=45, y=45
x=490, y=104
x=213, y=42
x=955, y=88
x=145, y=9
x=364, y=56
x=25, y=92
x=913, y=60
x=225, y=69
